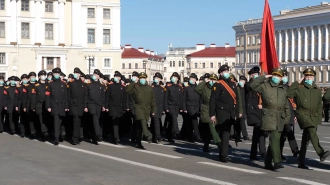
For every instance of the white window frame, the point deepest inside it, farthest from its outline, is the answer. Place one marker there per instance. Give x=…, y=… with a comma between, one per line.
x=93, y=36
x=89, y=14
x=49, y=6
x=2, y=2
x=50, y=32
x=28, y=31
x=24, y=5
x=5, y=58
x=105, y=15
x=109, y=41
x=4, y=30
x=103, y=59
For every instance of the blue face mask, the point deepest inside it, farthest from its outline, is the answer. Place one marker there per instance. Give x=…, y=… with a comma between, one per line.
x=285, y=80
x=49, y=78
x=173, y=80
x=1, y=82
x=116, y=79
x=256, y=76
x=241, y=84
x=12, y=82
x=133, y=78
x=7, y=82
x=309, y=82
x=56, y=76
x=142, y=81
x=33, y=79
x=275, y=80
x=75, y=76
x=211, y=83
x=191, y=82
x=226, y=75
x=25, y=82
x=94, y=77
x=156, y=80
x=185, y=84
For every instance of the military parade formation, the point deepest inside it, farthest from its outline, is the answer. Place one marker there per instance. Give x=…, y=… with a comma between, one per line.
x=214, y=107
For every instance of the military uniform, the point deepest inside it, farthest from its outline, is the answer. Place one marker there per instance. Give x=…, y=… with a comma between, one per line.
x=309, y=115
x=276, y=113
x=11, y=103
x=159, y=99
x=2, y=103
x=30, y=106
x=145, y=105
x=242, y=120
x=22, y=98
x=131, y=110
x=326, y=104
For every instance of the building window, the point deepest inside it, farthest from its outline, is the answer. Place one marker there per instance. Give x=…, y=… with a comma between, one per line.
x=219, y=64
x=50, y=63
x=302, y=52
x=106, y=13
x=238, y=41
x=182, y=64
x=254, y=40
x=91, y=35
x=25, y=5
x=203, y=65
x=144, y=65
x=173, y=63
x=136, y=65
x=195, y=65
x=170, y=63
x=106, y=36
x=48, y=6
x=129, y=66
x=2, y=58
x=90, y=13
x=320, y=75
x=2, y=30
x=211, y=65
x=254, y=57
x=123, y=66
x=2, y=4
x=3, y=75
x=107, y=62
x=25, y=30
x=179, y=63
x=165, y=69
x=49, y=31
x=323, y=51
x=249, y=40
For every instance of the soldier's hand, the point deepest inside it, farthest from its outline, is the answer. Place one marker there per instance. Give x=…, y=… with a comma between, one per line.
x=167, y=111
x=267, y=76
x=163, y=112
x=185, y=111
x=180, y=110
x=127, y=110
x=207, y=80
x=16, y=108
x=107, y=110
x=153, y=114
x=49, y=110
x=260, y=106
x=213, y=119
x=24, y=109
x=5, y=108
x=103, y=109
x=85, y=109
x=240, y=115
x=66, y=110
x=301, y=79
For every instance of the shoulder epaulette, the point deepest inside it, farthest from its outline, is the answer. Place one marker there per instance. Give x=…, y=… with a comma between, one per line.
x=26, y=85
x=6, y=87
x=37, y=85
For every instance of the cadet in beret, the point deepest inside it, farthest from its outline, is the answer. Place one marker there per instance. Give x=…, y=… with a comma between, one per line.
x=253, y=115
x=309, y=114
x=204, y=89
x=276, y=113
x=116, y=98
x=57, y=103
x=224, y=108
x=159, y=99
x=145, y=105
x=191, y=106
x=2, y=103
x=242, y=120
x=172, y=105
x=11, y=103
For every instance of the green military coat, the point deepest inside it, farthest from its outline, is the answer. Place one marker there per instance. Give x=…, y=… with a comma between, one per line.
x=205, y=92
x=309, y=104
x=144, y=98
x=275, y=107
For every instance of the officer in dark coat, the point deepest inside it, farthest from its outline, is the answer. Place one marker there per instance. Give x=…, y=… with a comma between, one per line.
x=2, y=101
x=159, y=98
x=57, y=102
x=30, y=104
x=184, y=133
x=116, y=103
x=172, y=105
x=254, y=113
x=49, y=76
x=62, y=76
x=22, y=102
x=224, y=108
x=76, y=101
x=11, y=103
x=40, y=105
x=95, y=103
x=131, y=111
x=16, y=114
x=242, y=120
x=191, y=106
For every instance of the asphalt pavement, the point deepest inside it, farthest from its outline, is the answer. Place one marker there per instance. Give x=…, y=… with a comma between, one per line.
x=31, y=162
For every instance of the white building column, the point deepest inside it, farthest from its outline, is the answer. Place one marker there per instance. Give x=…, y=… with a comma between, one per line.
x=37, y=13
x=312, y=43
x=305, y=44
x=13, y=21
x=299, y=44
x=326, y=42
x=279, y=46
x=99, y=29
x=319, y=43
x=286, y=50
x=115, y=32
x=293, y=51
x=61, y=23
x=76, y=23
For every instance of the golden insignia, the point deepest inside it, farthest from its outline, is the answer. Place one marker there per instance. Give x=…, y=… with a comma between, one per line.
x=214, y=88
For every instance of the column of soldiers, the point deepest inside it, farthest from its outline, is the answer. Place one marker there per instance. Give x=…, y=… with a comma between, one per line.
x=213, y=107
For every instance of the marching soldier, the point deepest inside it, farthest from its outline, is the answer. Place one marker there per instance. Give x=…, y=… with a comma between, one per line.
x=116, y=98
x=254, y=113
x=22, y=103
x=57, y=102
x=242, y=120
x=49, y=76
x=184, y=128
x=224, y=108
x=276, y=113
x=191, y=106
x=159, y=99
x=131, y=110
x=2, y=101
x=309, y=114
x=62, y=76
x=11, y=103
x=204, y=89
x=145, y=105
x=30, y=104
x=172, y=104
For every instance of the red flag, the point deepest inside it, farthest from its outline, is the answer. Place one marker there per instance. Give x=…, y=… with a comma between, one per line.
x=268, y=55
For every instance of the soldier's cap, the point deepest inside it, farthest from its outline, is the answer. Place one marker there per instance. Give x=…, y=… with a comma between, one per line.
x=88, y=77
x=70, y=76
x=201, y=78
x=254, y=69
x=56, y=70
x=17, y=79
x=65, y=80
x=231, y=76
x=277, y=71
x=42, y=72
x=12, y=78
x=193, y=75
x=24, y=76
x=127, y=81
x=135, y=74
x=77, y=70
x=102, y=76
x=213, y=77
x=207, y=75
x=2, y=78
x=158, y=75
x=62, y=74
x=97, y=72
x=176, y=75
x=222, y=68
x=285, y=72
x=118, y=74
x=242, y=78
x=309, y=72
x=111, y=79
x=50, y=74
x=143, y=75
x=185, y=79
x=32, y=74
x=106, y=78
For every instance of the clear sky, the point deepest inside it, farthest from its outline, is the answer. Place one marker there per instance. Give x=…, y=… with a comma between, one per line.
x=153, y=24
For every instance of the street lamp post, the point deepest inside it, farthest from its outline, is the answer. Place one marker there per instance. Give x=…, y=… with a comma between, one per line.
x=90, y=58
x=145, y=66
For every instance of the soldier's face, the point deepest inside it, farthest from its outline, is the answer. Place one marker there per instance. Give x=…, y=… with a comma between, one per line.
x=309, y=78
x=278, y=76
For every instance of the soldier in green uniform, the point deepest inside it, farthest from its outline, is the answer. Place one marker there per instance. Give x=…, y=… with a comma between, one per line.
x=308, y=98
x=204, y=89
x=275, y=113
x=144, y=104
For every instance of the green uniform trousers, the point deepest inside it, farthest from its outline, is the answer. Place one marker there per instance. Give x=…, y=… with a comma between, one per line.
x=309, y=134
x=274, y=149
x=145, y=131
x=210, y=131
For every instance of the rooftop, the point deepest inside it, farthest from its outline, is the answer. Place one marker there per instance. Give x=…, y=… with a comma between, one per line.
x=129, y=52
x=215, y=52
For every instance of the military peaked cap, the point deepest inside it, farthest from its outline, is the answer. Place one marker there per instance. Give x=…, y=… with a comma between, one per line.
x=42, y=72
x=32, y=74
x=185, y=79
x=223, y=68
x=309, y=72
x=158, y=75
x=143, y=75
x=254, y=69
x=24, y=76
x=277, y=71
x=242, y=78
x=77, y=70
x=56, y=70
x=213, y=77
x=62, y=74
x=176, y=75
x=193, y=75
x=135, y=74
